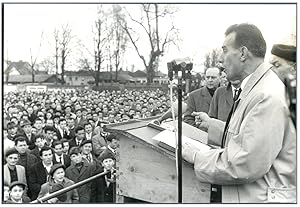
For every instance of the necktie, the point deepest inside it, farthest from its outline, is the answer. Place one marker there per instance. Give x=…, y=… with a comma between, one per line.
x=237, y=93
x=78, y=143
x=236, y=101
x=89, y=158
x=59, y=159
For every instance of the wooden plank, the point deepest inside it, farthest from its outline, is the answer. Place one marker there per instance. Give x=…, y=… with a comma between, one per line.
x=146, y=174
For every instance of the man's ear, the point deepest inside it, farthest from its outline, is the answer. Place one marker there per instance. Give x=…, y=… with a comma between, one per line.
x=244, y=53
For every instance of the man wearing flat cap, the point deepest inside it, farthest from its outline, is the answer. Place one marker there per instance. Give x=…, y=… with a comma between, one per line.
x=86, y=151
x=78, y=171
x=30, y=137
x=283, y=59
x=11, y=170
x=57, y=182
x=16, y=191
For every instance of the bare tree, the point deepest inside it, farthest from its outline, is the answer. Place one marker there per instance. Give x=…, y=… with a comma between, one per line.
x=47, y=65
x=62, y=39
x=34, y=59
x=84, y=64
x=152, y=14
x=119, y=38
x=56, y=39
x=100, y=39
x=211, y=59
x=65, y=48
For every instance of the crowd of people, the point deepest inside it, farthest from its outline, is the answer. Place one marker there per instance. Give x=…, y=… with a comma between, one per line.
x=55, y=139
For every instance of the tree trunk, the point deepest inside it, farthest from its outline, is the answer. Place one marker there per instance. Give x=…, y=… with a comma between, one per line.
x=32, y=75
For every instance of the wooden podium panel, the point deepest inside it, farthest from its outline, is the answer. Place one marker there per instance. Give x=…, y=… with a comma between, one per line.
x=147, y=172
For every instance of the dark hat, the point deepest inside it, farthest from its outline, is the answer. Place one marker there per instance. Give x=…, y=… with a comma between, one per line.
x=287, y=52
x=25, y=122
x=55, y=167
x=74, y=150
x=86, y=142
x=17, y=183
x=11, y=125
x=56, y=187
x=106, y=155
x=11, y=151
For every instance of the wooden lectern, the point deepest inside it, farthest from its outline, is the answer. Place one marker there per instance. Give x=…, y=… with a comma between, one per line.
x=147, y=172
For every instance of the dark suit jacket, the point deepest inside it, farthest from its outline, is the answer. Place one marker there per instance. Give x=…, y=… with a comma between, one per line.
x=60, y=136
x=30, y=142
x=87, y=170
x=81, y=122
x=30, y=160
x=107, y=150
x=37, y=177
x=72, y=143
x=199, y=101
x=35, y=151
x=66, y=158
x=221, y=103
x=103, y=193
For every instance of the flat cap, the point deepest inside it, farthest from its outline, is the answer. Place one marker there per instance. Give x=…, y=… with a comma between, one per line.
x=55, y=167
x=25, y=122
x=86, y=142
x=106, y=155
x=287, y=52
x=11, y=151
x=17, y=183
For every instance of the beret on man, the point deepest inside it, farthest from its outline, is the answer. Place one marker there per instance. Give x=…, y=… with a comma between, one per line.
x=25, y=122
x=11, y=151
x=55, y=167
x=74, y=150
x=287, y=52
x=106, y=155
x=86, y=142
x=11, y=125
x=17, y=183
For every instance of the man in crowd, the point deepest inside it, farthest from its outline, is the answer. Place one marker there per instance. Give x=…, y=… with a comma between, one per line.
x=80, y=136
x=59, y=156
x=257, y=159
x=79, y=171
x=222, y=100
x=86, y=151
x=66, y=146
x=199, y=100
x=39, y=172
x=39, y=142
x=25, y=159
x=88, y=129
x=26, y=127
x=112, y=144
x=284, y=65
x=283, y=60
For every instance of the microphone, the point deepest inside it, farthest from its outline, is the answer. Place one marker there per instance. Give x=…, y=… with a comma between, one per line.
x=168, y=114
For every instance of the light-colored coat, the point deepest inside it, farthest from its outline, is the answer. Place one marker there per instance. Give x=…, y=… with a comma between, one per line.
x=20, y=173
x=258, y=163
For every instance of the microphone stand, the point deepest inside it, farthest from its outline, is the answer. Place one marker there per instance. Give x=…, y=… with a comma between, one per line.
x=179, y=141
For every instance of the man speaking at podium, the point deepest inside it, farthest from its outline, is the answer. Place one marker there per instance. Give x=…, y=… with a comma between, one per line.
x=256, y=161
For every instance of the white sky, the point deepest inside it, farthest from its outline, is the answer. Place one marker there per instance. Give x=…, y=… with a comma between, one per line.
x=201, y=27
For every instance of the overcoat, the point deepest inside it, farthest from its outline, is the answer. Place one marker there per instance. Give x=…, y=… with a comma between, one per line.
x=221, y=103
x=258, y=163
x=199, y=101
